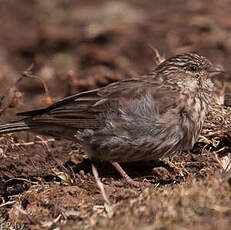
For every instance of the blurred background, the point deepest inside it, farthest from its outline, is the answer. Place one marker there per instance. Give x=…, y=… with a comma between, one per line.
x=80, y=45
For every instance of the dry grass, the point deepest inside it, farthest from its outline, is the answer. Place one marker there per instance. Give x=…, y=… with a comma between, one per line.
x=47, y=184
x=197, y=204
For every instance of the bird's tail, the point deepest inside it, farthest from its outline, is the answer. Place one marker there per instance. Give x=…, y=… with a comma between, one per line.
x=14, y=126
x=42, y=128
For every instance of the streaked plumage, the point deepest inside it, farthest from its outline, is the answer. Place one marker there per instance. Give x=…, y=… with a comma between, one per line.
x=136, y=119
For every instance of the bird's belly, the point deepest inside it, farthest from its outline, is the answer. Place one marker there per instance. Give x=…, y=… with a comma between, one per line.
x=121, y=149
x=164, y=139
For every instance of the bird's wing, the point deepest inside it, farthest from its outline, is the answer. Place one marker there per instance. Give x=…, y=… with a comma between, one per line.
x=88, y=109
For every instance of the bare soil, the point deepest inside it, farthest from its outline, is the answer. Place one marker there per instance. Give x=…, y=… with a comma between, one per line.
x=81, y=45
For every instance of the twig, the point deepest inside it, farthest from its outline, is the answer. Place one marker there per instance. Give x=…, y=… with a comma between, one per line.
x=12, y=91
x=7, y=203
x=44, y=144
x=157, y=57
x=29, y=143
x=28, y=74
x=21, y=179
x=29, y=218
x=107, y=203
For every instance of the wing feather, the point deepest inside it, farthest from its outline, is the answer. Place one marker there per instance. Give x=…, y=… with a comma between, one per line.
x=89, y=109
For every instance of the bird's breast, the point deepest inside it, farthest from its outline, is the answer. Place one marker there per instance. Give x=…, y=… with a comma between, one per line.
x=192, y=117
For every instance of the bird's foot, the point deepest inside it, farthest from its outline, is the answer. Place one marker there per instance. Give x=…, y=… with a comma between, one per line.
x=128, y=179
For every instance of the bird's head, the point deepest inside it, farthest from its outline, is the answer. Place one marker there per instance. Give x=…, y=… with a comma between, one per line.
x=188, y=70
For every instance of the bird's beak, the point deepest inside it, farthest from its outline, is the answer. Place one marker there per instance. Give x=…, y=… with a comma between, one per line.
x=214, y=70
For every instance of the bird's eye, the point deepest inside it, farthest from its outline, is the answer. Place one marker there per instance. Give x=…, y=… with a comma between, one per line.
x=193, y=68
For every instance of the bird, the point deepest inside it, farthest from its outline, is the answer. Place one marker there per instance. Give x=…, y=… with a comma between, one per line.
x=137, y=119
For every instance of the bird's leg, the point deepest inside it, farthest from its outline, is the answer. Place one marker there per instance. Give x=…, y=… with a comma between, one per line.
x=125, y=175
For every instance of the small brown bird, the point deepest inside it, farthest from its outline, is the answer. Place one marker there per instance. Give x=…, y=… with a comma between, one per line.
x=136, y=119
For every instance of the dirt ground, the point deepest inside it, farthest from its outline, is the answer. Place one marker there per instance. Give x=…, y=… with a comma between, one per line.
x=81, y=45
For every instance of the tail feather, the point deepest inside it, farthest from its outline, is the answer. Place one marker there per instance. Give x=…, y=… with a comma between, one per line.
x=42, y=128
x=15, y=126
